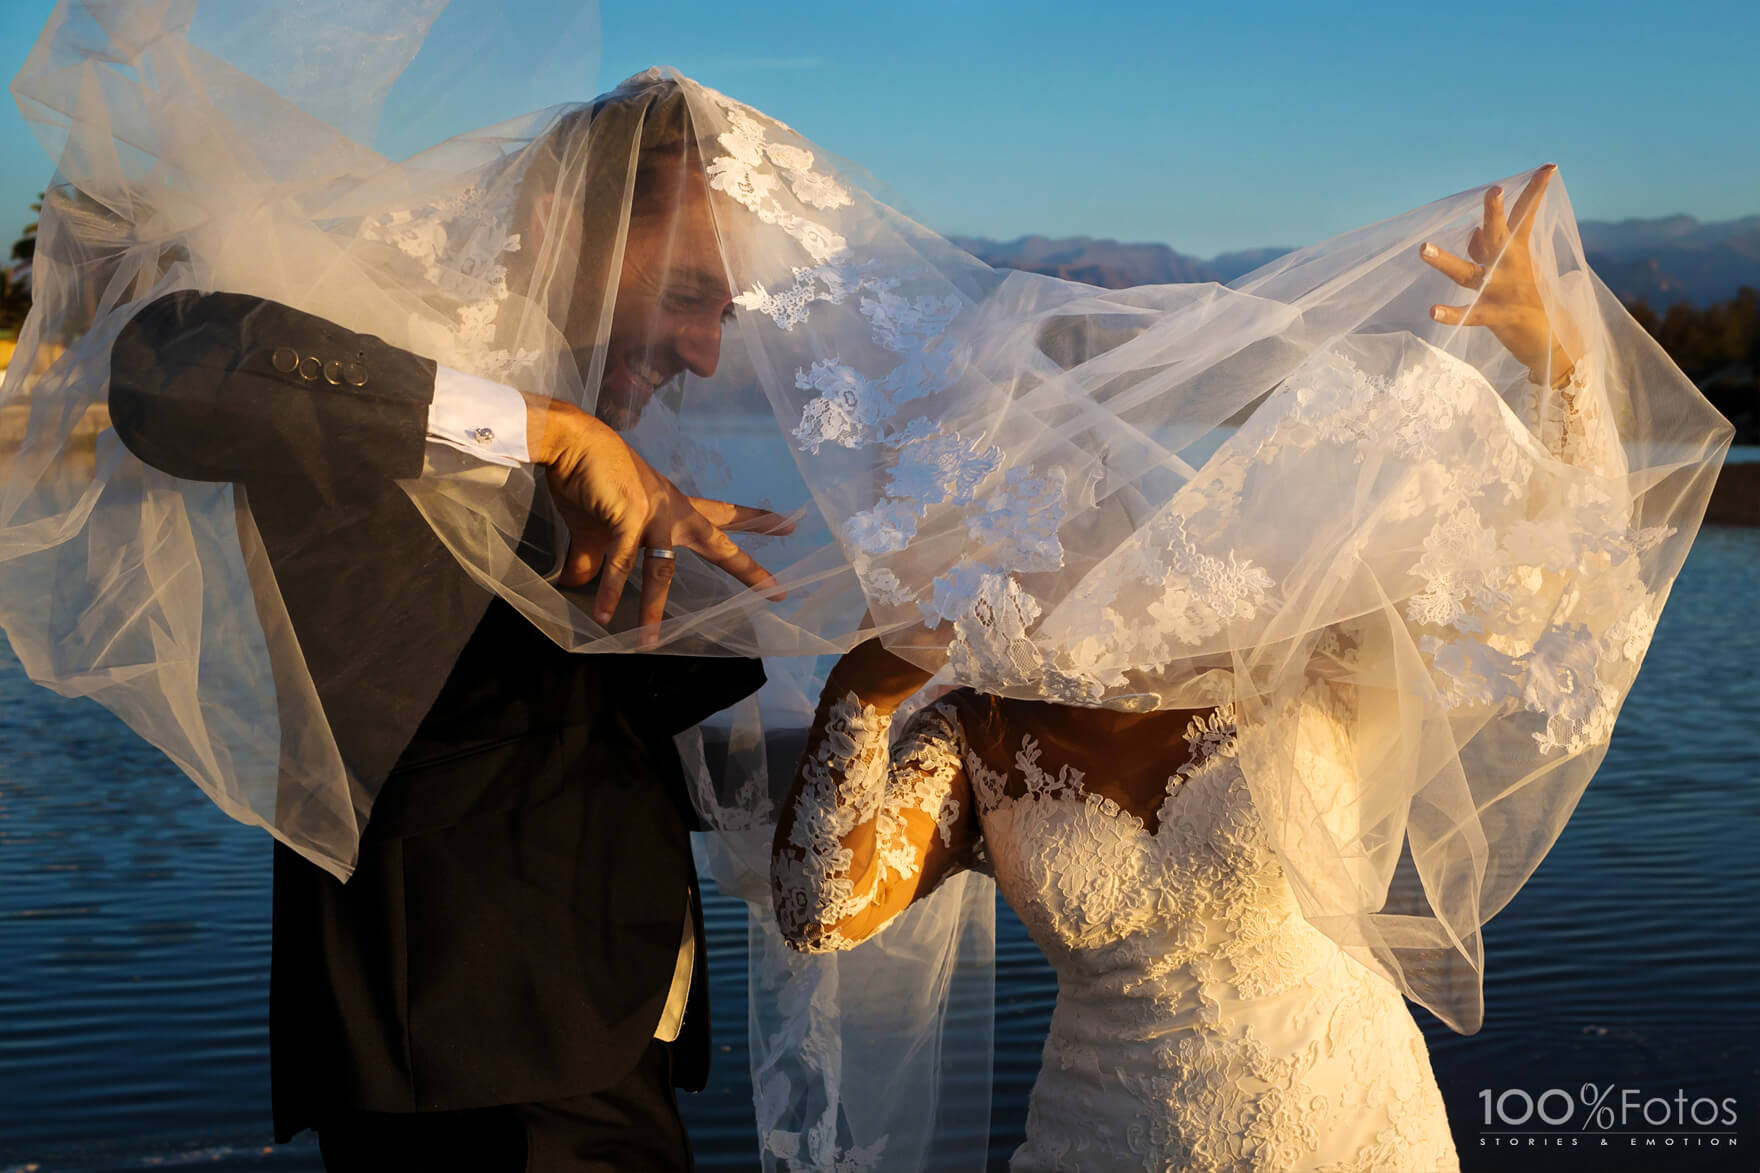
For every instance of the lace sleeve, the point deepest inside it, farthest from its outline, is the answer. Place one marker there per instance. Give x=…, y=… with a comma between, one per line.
x=1573, y=422
x=869, y=829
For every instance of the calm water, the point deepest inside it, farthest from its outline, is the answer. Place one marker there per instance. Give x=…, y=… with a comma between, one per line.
x=134, y=937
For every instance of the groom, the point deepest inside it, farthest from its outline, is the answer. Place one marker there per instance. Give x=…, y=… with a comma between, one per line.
x=514, y=976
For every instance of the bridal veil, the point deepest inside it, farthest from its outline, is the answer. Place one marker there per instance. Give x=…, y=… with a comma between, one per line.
x=1426, y=582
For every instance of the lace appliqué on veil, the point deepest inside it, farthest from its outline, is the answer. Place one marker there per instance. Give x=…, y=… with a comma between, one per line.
x=1548, y=613
x=461, y=244
x=855, y=400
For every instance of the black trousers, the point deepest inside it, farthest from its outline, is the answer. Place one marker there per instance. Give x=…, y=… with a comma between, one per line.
x=632, y=1126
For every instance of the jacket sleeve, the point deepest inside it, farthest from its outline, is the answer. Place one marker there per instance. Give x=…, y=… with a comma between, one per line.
x=228, y=387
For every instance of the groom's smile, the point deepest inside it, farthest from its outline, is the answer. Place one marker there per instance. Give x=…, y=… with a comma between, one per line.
x=672, y=298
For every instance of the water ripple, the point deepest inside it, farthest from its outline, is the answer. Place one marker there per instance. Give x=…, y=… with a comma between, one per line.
x=134, y=933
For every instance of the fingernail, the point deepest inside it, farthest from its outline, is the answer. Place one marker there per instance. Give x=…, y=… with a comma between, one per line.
x=1436, y=313
x=1429, y=250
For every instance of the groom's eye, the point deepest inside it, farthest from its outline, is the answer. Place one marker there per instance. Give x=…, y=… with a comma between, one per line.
x=684, y=301
x=693, y=301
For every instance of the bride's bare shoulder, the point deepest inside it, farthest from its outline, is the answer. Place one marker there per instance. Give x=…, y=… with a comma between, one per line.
x=967, y=704
x=980, y=714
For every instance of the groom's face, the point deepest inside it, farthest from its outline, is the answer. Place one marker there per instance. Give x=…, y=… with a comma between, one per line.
x=672, y=294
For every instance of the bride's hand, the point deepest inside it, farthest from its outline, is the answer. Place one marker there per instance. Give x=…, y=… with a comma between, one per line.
x=1501, y=269
x=877, y=676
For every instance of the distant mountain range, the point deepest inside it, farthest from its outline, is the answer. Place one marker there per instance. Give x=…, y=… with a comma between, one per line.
x=1674, y=258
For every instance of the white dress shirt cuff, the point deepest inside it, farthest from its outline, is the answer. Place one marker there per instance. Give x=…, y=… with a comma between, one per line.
x=478, y=416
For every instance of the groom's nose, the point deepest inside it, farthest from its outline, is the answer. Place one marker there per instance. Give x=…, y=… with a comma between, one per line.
x=697, y=340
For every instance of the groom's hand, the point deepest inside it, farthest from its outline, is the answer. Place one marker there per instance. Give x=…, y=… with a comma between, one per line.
x=616, y=506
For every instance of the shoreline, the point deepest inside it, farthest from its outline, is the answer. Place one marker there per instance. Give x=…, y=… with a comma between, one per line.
x=1735, y=499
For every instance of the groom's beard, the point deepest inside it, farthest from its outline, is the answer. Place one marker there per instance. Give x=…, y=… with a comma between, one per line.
x=617, y=412
x=618, y=409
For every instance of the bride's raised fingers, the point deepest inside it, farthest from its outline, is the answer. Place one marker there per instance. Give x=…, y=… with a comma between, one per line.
x=1496, y=228
x=1480, y=313
x=1528, y=203
x=1476, y=248
x=1462, y=272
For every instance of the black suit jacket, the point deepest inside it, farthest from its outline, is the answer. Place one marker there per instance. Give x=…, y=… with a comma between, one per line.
x=510, y=930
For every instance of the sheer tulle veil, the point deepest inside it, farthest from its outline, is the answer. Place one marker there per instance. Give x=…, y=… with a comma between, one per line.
x=1425, y=588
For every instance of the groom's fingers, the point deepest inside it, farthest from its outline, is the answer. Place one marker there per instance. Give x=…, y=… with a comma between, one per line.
x=586, y=547
x=620, y=561
x=705, y=539
x=745, y=518
x=582, y=564
x=657, y=572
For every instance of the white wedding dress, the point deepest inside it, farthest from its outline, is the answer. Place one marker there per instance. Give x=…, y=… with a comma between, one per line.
x=1201, y=1022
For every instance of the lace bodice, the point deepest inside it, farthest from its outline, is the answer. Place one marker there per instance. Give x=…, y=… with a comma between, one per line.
x=1201, y=1023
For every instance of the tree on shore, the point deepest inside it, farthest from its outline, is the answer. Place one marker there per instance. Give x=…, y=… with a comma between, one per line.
x=15, y=289
x=24, y=249
x=1705, y=342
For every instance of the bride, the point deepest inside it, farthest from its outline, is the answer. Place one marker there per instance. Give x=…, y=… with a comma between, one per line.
x=1201, y=1022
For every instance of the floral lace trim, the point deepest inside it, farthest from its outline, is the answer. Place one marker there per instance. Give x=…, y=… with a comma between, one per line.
x=1570, y=422
x=850, y=841
x=1201, y=916
x=1209, y=738
x=1547, y=613
x=461, y=243
x=757, y=171
x=1480, y=583
x=1189, y=594
x=853, y=406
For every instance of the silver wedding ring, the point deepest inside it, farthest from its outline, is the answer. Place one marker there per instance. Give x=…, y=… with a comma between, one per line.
x=659, y=552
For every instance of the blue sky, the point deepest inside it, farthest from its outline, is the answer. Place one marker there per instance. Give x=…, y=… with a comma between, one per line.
x=1206, y=126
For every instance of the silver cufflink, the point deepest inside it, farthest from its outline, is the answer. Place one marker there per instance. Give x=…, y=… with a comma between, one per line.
x=483, y=436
